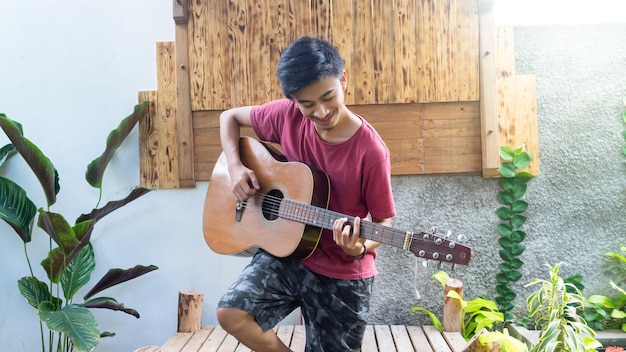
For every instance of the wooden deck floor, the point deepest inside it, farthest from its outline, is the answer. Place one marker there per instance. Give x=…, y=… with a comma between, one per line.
x=378, y=338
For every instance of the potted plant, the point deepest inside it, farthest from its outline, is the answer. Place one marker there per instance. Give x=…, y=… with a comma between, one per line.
x=70, y=260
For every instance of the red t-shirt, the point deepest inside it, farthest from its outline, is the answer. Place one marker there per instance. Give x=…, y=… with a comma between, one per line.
x=359, y=173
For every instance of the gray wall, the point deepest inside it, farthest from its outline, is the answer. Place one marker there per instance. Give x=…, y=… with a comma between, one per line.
x=577, y=204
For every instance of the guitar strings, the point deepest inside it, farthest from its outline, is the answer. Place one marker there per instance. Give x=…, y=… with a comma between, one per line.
x=274, y=203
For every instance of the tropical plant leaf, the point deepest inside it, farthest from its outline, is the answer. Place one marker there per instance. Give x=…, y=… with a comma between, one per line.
x=518, y=220
x=6, y=152
x=98, y=214
x=36, y=292
x=504, y=213
x=505, y=198
x=506, y=153
x=40, y=164
x=95, y=169
x=110, y=303
x=519, y=206
x=69, y=245
x=16, y=209
x=433, y=318
x=78, y=272
x=507, y=170
x=75, y=321
x=518, y=190
x=117, y=276
x=522, y=160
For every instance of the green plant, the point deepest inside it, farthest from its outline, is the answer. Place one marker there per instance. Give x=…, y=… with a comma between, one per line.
x=478, y=313
x=70, y=260
x=603, y=312
x=553, y=307
x=513, y=183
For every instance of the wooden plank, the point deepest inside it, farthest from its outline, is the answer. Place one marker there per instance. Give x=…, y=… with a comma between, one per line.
x=518, y=116
x=238, y=49
x=455, y=340
x=405, y=34
x=383, y=59
x=197, y=339
x=285, y=333
x=198, y=53
x=298, y=342
x=342, y=37
x=488, y=96
x=384, y=338
x=435, y=339
x=504, y=51
x=215, y=340
x=452, y=164
x=369, y=340
x=401, y=337
x=149, y=143
x=176, y=342
x=183, y=108
x=229, y=344
x=166, y=116
x=363, y=56
x=418, y=339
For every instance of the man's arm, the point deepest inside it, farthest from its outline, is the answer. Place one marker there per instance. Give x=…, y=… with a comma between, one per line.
x=244, y=181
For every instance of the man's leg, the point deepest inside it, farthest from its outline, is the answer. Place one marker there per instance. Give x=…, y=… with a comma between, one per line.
x=244, y=328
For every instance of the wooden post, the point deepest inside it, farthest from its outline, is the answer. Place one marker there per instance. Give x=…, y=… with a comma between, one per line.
x=452, y=309
x=189, y=311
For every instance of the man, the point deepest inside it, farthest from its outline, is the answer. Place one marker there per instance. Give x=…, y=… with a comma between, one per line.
x=333, y=285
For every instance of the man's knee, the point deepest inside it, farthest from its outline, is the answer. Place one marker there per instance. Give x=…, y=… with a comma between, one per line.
x=232, y=319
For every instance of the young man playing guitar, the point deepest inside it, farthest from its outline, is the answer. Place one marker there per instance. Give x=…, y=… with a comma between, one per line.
x=333, y=285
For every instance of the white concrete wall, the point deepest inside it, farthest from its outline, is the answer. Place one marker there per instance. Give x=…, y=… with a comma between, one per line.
x=70, y=71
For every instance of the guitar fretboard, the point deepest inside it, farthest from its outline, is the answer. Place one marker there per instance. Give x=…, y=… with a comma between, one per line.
x=324, y=218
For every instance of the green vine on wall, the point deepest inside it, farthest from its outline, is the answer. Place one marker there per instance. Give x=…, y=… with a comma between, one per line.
x=513, y=183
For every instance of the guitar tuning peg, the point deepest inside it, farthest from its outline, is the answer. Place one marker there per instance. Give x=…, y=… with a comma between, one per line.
x=461, y=238
x=433, y=230
x=448, y=233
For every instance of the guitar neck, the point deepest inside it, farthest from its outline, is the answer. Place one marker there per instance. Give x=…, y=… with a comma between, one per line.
x=324, y=218
x=422, y=244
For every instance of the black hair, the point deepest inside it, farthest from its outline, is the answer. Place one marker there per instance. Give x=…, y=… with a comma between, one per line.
x=306, y=61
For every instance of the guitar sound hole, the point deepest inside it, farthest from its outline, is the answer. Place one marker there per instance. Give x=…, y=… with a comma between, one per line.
x=271, y=204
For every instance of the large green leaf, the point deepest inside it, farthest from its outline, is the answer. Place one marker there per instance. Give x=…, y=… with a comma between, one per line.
x=9, y=150
x=95, y=169
x=110, y=303
x=16, y=208
x=98, y=214
x=40, y=164
x=117, y=276
x=66, y=238
x=75, y=321
x=78, y=272
x=36, y=292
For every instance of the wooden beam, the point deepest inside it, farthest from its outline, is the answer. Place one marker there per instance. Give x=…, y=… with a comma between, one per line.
x=488, y=92
x=183, y=109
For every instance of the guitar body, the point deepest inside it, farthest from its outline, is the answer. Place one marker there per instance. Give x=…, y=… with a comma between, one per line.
x=286, y=216
x=229, y=229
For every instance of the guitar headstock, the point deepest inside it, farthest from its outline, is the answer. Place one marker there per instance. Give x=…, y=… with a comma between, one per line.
x=442, y=248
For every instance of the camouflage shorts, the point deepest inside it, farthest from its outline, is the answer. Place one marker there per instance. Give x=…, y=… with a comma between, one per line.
x=335, y=311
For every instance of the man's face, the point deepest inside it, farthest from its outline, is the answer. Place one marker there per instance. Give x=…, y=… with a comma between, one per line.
x=323, y=101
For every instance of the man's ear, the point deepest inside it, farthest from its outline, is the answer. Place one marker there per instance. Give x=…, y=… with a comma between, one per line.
x=344, y=80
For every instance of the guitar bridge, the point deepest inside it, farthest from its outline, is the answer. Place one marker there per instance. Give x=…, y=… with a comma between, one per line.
x=239, y=210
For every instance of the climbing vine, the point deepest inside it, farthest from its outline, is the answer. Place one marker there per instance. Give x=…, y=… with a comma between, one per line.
x=513, y=182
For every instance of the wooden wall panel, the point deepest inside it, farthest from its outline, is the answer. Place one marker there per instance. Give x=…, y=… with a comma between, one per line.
x=413, y=72
x=395, y=51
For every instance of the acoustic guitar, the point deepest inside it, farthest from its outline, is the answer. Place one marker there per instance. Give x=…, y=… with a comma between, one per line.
x=287, y=215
